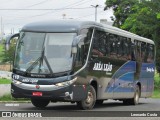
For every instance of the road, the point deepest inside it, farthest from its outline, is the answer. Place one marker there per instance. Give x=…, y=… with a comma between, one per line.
x=110, y=108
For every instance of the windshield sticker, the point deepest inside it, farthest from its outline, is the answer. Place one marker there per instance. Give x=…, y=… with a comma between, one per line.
x=103, y=67
x=30, y=80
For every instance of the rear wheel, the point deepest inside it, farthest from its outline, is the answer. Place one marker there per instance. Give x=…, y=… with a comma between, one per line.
x=40, y=103
x=135, y=99
x=89, y=102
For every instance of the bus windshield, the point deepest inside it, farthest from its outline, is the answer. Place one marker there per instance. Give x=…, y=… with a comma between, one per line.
x=44, y=53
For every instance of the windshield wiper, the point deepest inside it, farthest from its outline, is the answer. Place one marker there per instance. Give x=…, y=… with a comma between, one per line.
x=47, y=63
x=33, y=65
x=40, y=63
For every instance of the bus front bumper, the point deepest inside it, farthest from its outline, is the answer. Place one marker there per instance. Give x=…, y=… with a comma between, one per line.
x=51, y=92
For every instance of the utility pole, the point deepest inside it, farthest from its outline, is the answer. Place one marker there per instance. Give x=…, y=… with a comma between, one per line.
x=1, y=28
x=64, y=16
x=95, y=6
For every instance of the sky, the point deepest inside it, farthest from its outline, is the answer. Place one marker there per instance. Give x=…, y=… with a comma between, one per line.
x=14, y=14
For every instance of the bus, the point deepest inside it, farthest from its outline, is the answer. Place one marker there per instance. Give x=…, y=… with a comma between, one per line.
x=81, y=62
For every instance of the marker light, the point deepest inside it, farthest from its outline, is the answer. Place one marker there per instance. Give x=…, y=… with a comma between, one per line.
x=16, y=82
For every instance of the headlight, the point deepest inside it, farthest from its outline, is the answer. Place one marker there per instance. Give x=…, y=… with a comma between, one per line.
x=66, y=83
x=16, y=82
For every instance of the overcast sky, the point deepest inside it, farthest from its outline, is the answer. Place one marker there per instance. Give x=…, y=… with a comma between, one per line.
x=48, y=10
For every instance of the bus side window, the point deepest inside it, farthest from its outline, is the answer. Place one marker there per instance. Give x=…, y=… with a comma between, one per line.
x=143, y=52
x=107, y=45
x=124, y=48
x=150, y=53
x=138, y=50
x=113, y=39
x=99, y=44
x=129, y=48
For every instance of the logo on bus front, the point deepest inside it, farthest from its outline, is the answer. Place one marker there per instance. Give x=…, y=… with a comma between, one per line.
x=30, y=80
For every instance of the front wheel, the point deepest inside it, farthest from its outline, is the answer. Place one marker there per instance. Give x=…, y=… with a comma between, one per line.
x=89, y=102
x=40, y=103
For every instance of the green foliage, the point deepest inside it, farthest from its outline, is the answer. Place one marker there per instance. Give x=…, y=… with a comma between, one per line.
x=8, y=55
x=158, y=15
x=121, y=8
x=157, y=81
x=1, y=51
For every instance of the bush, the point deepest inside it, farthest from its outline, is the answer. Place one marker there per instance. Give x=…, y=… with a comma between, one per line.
x=157, y=84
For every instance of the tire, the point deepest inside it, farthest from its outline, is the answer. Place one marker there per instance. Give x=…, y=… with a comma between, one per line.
x=135, y=99
x=99, y=102
x=40, y=103
x=89, y=102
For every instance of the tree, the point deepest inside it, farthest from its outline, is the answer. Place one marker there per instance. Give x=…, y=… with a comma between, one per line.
x=121, y=8
x=145, y=21
x=8, y=55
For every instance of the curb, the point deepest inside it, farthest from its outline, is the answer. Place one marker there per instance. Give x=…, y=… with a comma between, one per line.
x=15, y=101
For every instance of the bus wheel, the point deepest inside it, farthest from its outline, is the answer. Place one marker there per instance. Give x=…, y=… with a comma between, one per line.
x=135, y=99
x=99, y=102
x=89, y=102
x=40, y=103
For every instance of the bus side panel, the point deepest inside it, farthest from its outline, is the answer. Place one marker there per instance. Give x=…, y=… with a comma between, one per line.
x=147, y=79
x=124, y=81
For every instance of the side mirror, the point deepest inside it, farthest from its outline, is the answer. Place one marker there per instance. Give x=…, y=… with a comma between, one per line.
x=78, y=39
x=8, y=39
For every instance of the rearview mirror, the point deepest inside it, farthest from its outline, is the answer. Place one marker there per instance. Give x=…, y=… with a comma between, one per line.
x=8, y=39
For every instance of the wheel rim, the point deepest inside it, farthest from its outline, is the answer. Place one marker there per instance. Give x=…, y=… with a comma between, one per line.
x=137, y=97
x=89, y=99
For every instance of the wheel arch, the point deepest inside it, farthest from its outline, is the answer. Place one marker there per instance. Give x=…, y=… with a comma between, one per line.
x=139, y=85
x=94, y=83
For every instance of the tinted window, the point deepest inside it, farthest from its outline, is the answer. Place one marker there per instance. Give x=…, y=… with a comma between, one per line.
x=83, y=48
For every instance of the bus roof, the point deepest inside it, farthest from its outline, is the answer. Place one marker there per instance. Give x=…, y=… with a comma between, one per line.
x=75, y=26
x=57, y=26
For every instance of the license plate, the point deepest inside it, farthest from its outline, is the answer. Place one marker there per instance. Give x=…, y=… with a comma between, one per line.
x=37, y=93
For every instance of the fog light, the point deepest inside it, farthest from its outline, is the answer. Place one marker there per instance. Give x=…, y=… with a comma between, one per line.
x=66, y=93
x=12, y=91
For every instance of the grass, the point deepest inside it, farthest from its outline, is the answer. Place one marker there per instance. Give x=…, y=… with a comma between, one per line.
x=156, y=94
x=5, y=81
